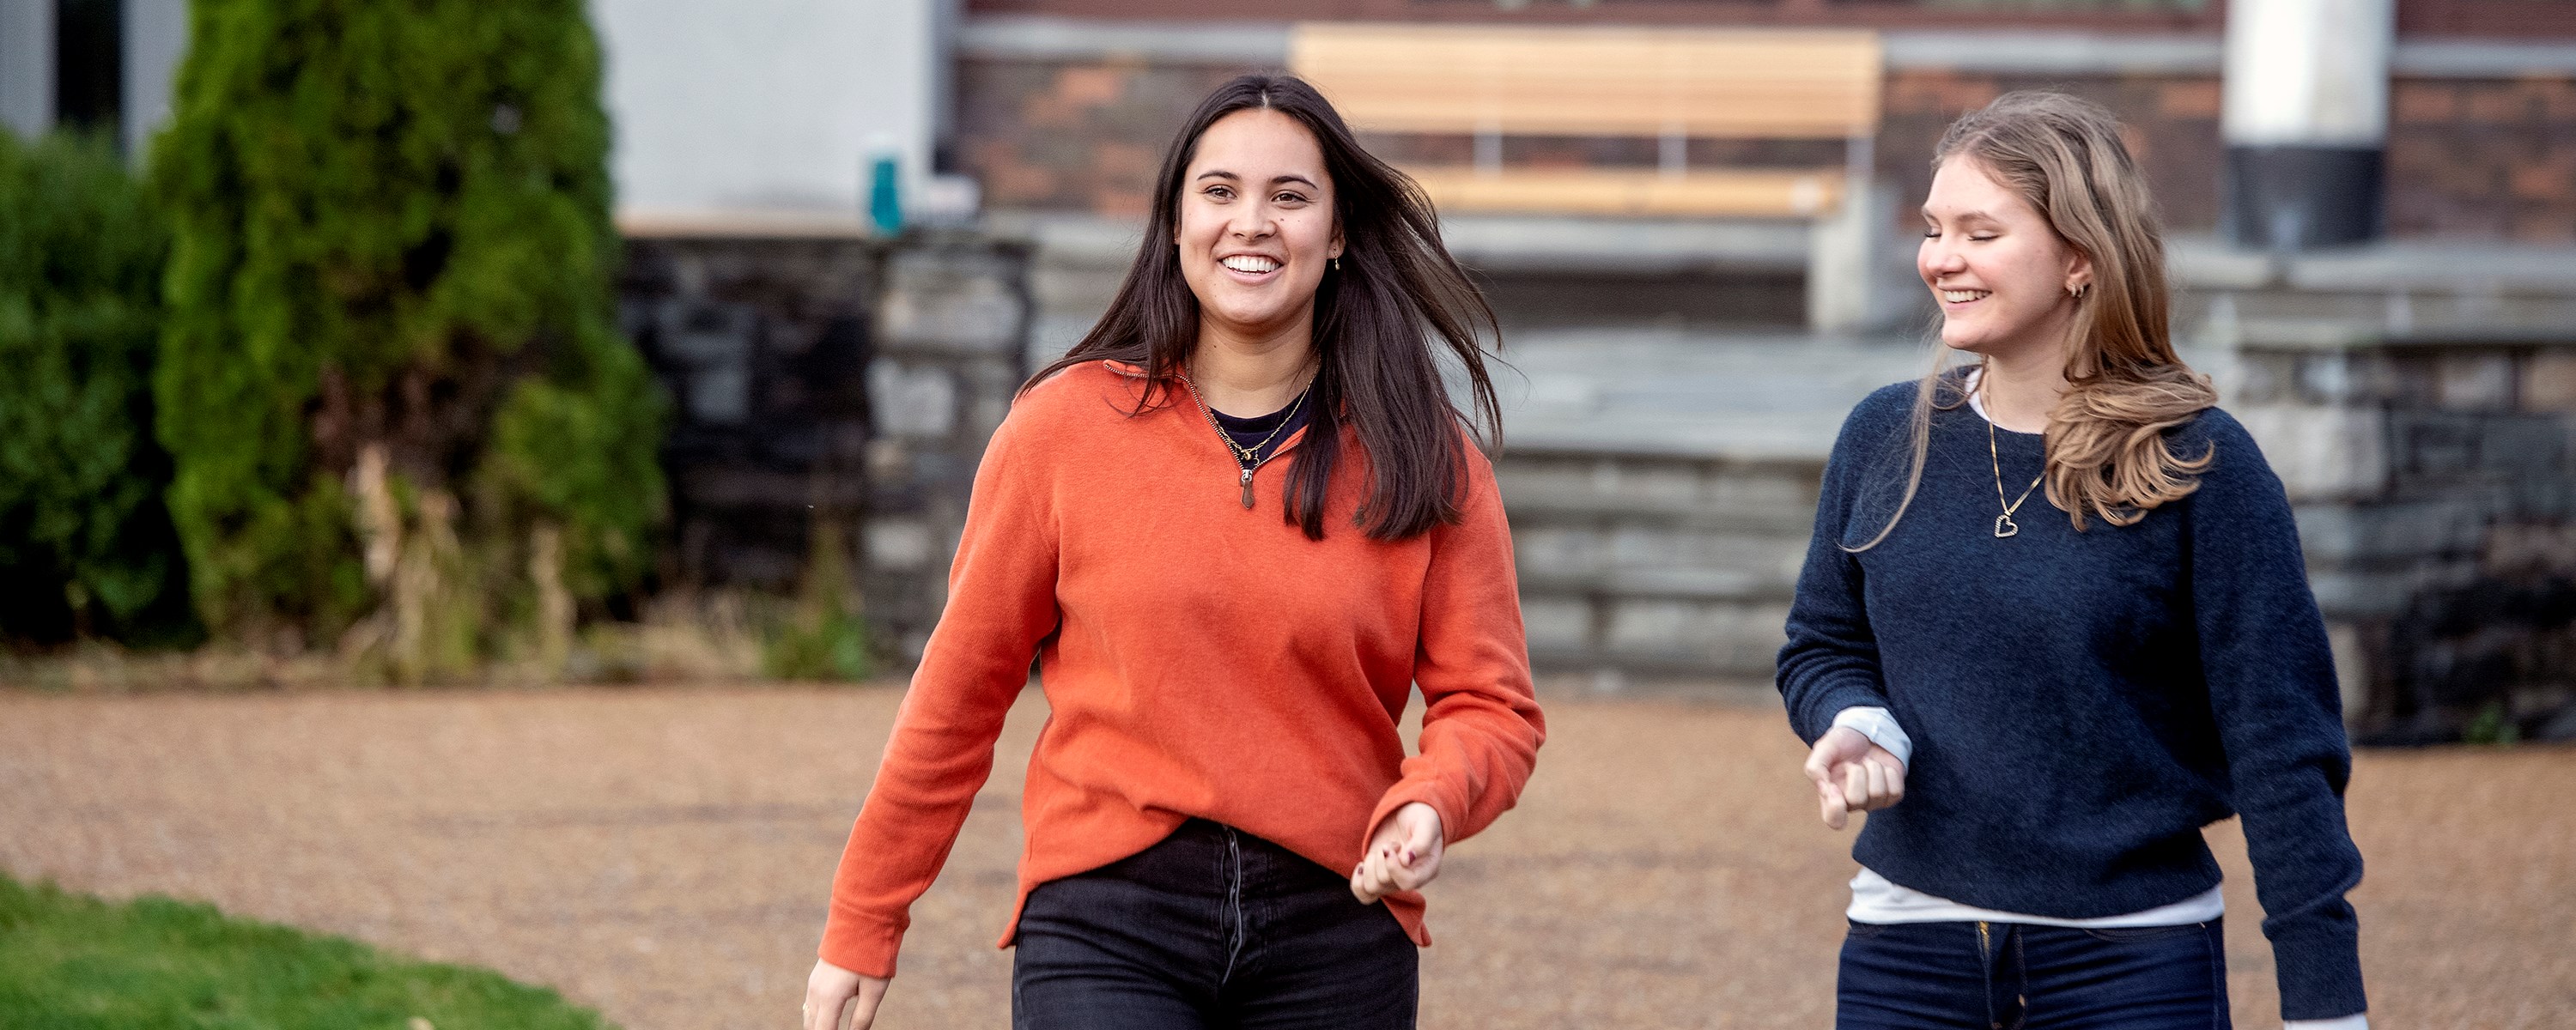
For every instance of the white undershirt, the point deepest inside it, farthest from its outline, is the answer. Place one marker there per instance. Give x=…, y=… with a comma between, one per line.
x=1968, y=384
x=1876, y=900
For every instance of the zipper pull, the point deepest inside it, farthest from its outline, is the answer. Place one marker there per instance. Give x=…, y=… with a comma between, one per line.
x=1247, y=489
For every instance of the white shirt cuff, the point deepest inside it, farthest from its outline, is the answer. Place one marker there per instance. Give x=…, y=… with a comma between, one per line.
x=1880, y=727
x=2355, y=1021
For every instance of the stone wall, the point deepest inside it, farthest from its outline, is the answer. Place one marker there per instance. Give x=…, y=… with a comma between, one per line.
x=1638, y=566
x=2434, y=481
x=951, y=331
x=761, y=345
x=827, y=378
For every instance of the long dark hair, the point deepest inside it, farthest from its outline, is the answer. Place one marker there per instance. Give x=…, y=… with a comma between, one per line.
x=1379, y=322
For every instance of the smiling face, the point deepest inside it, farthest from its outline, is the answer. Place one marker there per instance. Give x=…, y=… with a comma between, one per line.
x=2000, y=273
x=1257, y=226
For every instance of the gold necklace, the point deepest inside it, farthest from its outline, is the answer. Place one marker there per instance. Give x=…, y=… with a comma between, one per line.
x=1250, y=458
x=2004, y=524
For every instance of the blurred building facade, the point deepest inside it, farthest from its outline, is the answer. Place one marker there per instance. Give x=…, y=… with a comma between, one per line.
x=100, y=65
x=1062, y=102
x=2372, y=209
x=2372, y=206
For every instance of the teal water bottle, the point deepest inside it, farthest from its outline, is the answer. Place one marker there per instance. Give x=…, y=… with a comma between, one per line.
x=885, y=188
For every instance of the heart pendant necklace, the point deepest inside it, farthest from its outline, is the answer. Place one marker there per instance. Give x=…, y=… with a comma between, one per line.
x=2004, y=524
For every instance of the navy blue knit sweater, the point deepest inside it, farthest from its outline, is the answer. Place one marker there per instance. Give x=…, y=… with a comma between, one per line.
x=2082, y=703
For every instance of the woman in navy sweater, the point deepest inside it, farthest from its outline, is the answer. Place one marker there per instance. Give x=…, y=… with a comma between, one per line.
x=2054, y=620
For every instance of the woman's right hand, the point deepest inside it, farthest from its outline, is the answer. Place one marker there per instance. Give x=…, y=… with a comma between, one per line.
x=830, y=989
x=1852, y=774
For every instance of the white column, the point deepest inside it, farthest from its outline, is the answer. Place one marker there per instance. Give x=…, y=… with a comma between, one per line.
x=27, y=66
x=947, y=19
x=764, y=107
x=2305, y=119
x=156, y=38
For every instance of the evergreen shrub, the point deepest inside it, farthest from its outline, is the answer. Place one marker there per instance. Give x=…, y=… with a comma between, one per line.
x=391, y=236
x=85, y=543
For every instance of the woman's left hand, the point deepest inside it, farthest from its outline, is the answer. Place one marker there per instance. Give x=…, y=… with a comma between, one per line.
x=1853, y=774
x=1403, y=855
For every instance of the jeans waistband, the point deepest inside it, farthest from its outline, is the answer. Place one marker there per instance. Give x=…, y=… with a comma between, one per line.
x=1204, y=857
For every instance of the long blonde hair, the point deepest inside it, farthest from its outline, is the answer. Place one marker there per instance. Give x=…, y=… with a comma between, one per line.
x=2107, y=455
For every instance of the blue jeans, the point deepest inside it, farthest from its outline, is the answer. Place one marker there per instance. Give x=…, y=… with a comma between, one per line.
x=2013, y=976
x=1213, y=927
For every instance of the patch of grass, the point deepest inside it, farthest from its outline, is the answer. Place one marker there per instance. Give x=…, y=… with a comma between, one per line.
x=69, y=962
x=827, y=636
x=2493, y=726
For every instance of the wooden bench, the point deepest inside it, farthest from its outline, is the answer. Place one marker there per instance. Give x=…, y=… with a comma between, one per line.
x=1671, y=85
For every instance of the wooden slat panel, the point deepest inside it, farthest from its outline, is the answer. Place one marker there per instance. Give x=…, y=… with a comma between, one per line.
x=1587, y=81
x=1711, y=193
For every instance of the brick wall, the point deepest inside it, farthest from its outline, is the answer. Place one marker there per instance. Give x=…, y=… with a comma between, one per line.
x=2172, y=122
x=2474, y=159
x=2122, y=15
x=2493, y=19
x=2467, y=158
x=1074, y=135
x=2483, y=159
x=2503, y=19
x=1086, y=135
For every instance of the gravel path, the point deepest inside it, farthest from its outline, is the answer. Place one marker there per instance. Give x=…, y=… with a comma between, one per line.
x=664, y=855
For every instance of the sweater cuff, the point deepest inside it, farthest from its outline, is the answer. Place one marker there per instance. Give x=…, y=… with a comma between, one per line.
x=2318, y=963
x=1879, y=725
x=861, y=945
x=1817, y=715
x=1453, y=815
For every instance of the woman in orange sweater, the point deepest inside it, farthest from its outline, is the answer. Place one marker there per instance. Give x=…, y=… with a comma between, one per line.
x=1223, y=828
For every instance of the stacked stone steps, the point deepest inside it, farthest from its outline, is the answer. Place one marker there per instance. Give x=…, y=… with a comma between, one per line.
x=1650, y=565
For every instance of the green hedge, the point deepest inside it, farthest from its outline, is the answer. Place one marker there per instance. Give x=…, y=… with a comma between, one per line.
x=85, y=544
x=74, y=963
x=391, y=227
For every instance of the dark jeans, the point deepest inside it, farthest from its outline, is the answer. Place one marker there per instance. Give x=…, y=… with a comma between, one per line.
x=2011, y=976
x=1212, y=927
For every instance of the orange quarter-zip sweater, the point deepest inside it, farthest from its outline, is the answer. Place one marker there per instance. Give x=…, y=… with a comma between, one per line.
x=1199, y=659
